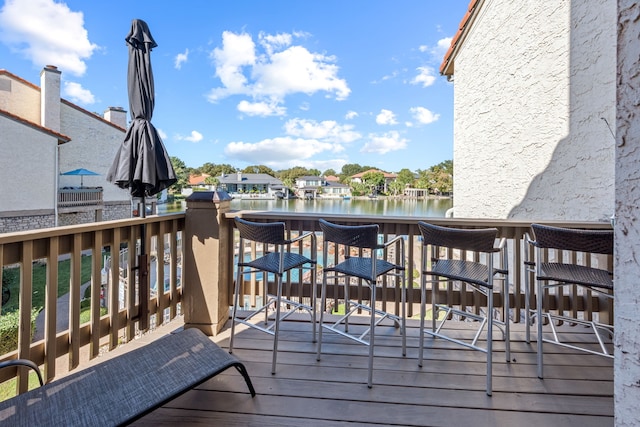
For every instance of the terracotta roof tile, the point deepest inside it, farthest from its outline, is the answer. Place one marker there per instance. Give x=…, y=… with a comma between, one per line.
x=446, y=68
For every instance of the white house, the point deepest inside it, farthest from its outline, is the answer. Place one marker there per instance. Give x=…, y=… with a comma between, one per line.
x=310, y=187
x=42, y=136
x=535, y=109
x=250, y=185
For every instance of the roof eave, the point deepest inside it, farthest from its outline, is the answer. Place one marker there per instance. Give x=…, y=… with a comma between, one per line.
x=447, y=66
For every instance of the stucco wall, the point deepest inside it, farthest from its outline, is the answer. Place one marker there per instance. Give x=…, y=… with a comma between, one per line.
x=532, y=82
x=627, y=229
x=27, y=168
x=20, y=99
x=93, y=146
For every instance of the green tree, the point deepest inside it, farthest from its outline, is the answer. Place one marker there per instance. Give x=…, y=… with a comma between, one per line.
x=396, y=187
x=437, y=179
x=374, y=180
x=216, y=170
x=182, y=174
x=351, y=169
x=293, y=173
x=212, y=180
x=405, y=176
x=330, y=172
x=259, y=169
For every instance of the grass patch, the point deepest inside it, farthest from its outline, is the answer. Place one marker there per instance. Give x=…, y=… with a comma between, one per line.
x=8, y=388
x=12, y=281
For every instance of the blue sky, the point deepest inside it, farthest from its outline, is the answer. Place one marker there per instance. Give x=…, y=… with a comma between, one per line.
x=282, y=83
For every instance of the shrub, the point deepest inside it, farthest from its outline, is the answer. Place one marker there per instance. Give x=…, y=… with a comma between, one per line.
x=9, y=330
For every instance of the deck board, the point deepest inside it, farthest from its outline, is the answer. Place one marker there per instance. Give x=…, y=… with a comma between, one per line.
x=449, y=390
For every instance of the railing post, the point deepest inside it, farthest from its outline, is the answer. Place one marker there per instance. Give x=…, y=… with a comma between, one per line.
x=208, y=243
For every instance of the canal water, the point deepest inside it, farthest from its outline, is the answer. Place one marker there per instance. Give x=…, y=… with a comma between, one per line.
x=379, y=206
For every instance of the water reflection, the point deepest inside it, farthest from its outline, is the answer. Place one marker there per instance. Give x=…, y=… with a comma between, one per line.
x=380, y=206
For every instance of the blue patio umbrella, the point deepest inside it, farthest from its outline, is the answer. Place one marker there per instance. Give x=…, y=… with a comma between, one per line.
x=81, y=173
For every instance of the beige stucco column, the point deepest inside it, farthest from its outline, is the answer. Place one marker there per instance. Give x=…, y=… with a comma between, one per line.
x=208, y=261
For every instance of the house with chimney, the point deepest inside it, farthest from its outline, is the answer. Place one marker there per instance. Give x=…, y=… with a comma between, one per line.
x=43, y=136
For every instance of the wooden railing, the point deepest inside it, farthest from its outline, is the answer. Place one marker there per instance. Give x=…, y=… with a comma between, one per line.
x=128, y=310
x=139, y=309
x=74, y=197
x=585, y=305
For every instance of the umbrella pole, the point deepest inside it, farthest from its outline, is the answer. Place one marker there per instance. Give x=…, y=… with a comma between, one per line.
x=143, y=271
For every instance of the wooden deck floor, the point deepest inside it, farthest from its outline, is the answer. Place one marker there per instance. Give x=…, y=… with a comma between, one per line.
x=449, y=390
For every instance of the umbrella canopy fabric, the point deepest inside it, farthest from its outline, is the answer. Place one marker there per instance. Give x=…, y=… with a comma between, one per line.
x=142, y=164
x=81, y=173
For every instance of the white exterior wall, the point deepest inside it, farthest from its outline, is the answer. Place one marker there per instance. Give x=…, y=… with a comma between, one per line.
x=93, y=146
x=26, y=168
x=21, y=99
x=626, y=365
x=532, y=82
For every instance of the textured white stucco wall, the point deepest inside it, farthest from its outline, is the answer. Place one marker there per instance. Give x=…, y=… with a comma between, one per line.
x=627, y=228
x=532, y=82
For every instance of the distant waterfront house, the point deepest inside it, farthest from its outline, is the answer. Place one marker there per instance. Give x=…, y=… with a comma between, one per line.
x=246, y=185
x=535, y=109
x=317, y=186
x=198, y=180
x=42, y=136
x=388, y=178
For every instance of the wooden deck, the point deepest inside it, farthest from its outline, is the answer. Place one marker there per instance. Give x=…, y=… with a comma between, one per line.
x=449, y=390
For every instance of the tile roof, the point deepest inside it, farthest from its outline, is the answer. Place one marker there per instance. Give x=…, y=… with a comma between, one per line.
x=446, y=68
x=62, y=138
x=9, y=74
x=198, y=179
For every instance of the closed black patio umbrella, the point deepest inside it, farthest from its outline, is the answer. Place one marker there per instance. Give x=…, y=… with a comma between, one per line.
x=142, y=164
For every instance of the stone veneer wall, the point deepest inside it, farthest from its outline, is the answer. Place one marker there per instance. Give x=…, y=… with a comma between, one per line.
x=28, y=222
x=533, y=82
x=115, y=210
x=24, y=222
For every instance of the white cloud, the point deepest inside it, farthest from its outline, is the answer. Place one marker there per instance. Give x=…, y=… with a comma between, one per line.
x=423, y=115
x=426, y=76
x=439, y=49
x=327, y=130
x=277, y=70
x=386, y=117
x=238, y=51
x=277, y=152
x=351, y=115
x=195, y=136
x=76, y=93
x=262, y=109
x=162, y=134
x=181, y=58
x=46, y=33
x=305, y=142
x=382, y=144
x=442, y=46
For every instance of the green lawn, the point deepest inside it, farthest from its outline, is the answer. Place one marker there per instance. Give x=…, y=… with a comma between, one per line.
x=11, y=278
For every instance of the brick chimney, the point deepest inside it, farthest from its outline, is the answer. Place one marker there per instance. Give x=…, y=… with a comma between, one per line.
x=50, y=98
x=117, y=116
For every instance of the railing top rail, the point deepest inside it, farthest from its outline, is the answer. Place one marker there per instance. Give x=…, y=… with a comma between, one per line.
x=6, y=238
x=408, y=220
